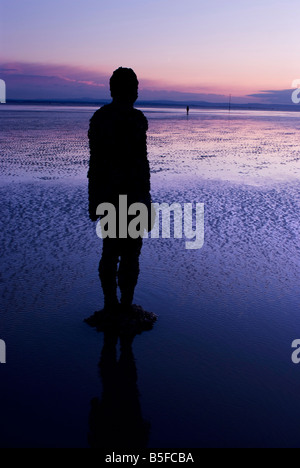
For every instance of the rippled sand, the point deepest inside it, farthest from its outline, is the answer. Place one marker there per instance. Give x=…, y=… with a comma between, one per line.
x=218, y=361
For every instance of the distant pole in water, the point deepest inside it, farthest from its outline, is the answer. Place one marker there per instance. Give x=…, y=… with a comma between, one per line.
x=229, y=102
x=187, y=110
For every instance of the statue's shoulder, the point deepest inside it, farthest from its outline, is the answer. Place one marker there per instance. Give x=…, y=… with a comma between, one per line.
x=101, y=113
x=141, y=119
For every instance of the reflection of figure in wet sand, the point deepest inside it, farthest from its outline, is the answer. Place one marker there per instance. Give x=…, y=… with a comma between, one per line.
x=119, y=166
x=116, y=420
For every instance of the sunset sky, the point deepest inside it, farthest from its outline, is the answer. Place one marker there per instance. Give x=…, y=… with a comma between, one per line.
x=198, y=49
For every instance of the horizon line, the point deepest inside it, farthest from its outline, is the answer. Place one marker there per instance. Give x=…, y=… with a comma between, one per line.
x=160, y=102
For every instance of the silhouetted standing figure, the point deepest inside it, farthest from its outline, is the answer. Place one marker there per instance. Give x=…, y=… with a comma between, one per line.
x=119, y=166
x=188, y=110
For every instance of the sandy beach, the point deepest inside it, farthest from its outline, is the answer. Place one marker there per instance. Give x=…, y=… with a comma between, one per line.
x=216, y=369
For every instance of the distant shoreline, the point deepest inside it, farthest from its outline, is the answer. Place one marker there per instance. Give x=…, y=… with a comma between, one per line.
x=156, y=104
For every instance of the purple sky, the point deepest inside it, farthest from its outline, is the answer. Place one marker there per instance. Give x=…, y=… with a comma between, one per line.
x=196, y=50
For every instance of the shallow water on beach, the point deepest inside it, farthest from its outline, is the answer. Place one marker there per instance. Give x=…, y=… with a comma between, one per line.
x=216, y=369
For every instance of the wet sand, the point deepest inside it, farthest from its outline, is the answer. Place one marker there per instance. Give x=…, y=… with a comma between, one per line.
x=216, y=369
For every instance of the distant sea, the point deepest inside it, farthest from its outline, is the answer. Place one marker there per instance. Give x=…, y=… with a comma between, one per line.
x=216, y=370
x=231, y=104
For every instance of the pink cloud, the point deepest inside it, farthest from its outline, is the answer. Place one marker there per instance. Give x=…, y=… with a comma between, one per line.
x=42, y=81
x=35, y=81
